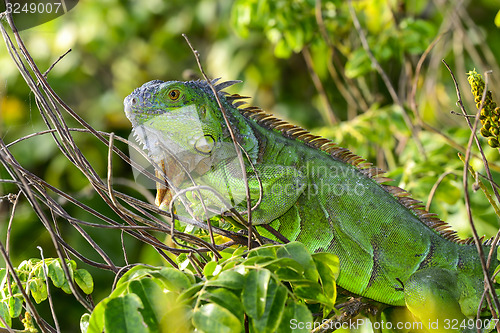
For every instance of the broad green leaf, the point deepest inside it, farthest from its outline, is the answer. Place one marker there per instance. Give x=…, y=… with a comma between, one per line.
x=85, y=322
x=329, y=259
x=215, y=318
x=211, y=268
x=65, y=287
x=71, y=265
x=121, y=289
x=174, y=279
x=311, y=291
x=15, y=306
x=255, y=291
x=122, y=315
x=226, y=299
x=239, y=251
x=190, y=293
x=327, y=279
x=497, y=276
x=84, y=280
x=3, y=273
x=295, y=318
x=96, y=320
x=280, y=263
x=257, y=261
x=38, y=290
x=135, y=273
x=275, y=299
x=298, y=252
x=227, y=279
x=263, y=251
x=229, y=265
x=328, y=266
x=191, y=277
x=56, y=273
x=153, y=300
x=288, y=274
x=4, y=313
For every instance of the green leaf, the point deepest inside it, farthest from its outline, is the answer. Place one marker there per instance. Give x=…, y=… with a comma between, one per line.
x=3, y=272
x=55, y=273
x=257, y=261
x=295, y=318
x=288, y=263
x=174, y=279
x=263, y=251
x=4, y=313
x=227, y=279
x=85, y=322
x=96, y=320
x=327, y=278
x=329, y=259
x=190, y=293
x=298, y=252
x=274, y=309
x=15, y=306
x=215, y=318
x=38, y=290
x=288, y=274
x=65, y=287
x=122, y=315
x=328, y=266
x=153, y=300
x=497, y=276
x=226, y=299
x=211, y=268
x=135, y=273
x=311, y=291
x=84, y=280
x=254, y=292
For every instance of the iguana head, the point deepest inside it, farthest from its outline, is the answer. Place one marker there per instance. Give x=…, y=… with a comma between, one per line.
x=180, y=116
x=183, y=130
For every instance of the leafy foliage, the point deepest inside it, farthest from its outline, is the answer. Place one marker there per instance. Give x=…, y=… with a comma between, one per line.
x=269, y=286
x=34, y=275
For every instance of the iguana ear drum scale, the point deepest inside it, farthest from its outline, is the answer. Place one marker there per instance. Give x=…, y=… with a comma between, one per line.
x=312, y=191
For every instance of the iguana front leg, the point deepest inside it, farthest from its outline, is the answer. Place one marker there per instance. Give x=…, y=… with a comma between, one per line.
x=433, y=296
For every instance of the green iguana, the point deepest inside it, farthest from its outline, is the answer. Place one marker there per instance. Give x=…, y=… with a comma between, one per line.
x=306, y=187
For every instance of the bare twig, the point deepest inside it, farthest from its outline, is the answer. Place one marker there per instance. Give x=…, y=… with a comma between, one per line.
x=472, y=137
x=434, y=189
x=49, y=294
x=330, y=116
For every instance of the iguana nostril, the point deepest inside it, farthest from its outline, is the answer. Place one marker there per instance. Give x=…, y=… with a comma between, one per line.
x=133, y=101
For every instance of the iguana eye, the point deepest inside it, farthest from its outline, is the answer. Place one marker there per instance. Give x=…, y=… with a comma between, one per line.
x=174, y=94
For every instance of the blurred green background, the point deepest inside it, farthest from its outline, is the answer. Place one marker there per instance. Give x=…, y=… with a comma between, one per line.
x=302, y=60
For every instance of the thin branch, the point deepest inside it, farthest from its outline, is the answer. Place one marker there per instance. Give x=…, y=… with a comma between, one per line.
x=472, y=137
x=330, y=116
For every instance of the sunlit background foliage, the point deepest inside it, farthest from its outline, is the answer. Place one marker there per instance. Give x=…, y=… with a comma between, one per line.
x=302, y=60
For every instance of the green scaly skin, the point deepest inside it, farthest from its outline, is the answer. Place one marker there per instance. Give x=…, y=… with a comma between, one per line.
x=390, y=250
